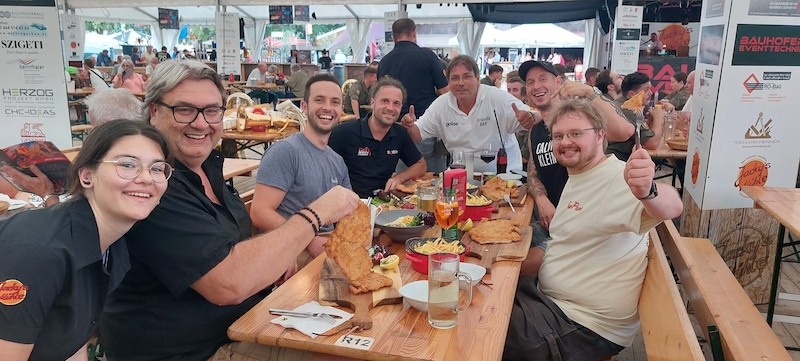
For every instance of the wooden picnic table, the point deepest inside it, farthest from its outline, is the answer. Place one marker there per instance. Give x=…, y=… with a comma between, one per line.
x=665, y=152
x=399, y=331
x=234, y=141
x=664, y=156
x=82, y=92
x=784, y=205
x=232, y=167
x=268, y=86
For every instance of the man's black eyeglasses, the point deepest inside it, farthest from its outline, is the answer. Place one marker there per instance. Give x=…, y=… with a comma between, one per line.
x=185, y=114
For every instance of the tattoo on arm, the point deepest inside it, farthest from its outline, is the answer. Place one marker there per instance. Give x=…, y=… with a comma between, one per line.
x=535, y=186
x=616, y=108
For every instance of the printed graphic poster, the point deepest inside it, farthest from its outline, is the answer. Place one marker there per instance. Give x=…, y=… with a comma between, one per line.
x=301, y=13
x=33, y=98
x=625, y=58
x=673, y=36
x=73, y=36
x=744, y=83
x=228, y=57
x=774, y=8
x=281, y=14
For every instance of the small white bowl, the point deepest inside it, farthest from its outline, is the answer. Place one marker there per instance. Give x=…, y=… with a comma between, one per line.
x=416, y=294
x=474, y=271
x=510, y=176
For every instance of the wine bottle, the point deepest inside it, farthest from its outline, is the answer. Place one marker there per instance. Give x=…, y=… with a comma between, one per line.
x=502, y=160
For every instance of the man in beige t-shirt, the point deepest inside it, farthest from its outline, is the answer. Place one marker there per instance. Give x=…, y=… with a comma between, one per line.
x=583, y=306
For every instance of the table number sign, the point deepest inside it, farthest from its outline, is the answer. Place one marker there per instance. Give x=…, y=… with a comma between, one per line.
x=357, y=342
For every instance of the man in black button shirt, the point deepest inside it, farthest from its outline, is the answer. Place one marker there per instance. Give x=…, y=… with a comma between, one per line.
x=194, y=267
x=371, y=146
x=422, y=74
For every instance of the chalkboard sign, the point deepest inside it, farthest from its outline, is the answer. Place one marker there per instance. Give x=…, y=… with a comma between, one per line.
x=168, y=19
x=281, y=14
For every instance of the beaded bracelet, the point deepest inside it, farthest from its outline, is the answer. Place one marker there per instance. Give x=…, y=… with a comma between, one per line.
x=319, y=221
x=316, y=230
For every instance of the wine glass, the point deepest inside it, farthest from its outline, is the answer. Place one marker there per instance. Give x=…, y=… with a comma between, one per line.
x=488, y=153
x=458, y=160
x=446, y=214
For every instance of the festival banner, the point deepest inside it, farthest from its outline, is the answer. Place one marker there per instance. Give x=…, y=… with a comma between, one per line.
x=74, y=35
x=228, y=57
x=33, y=97
x=743, y=125
x=389, y=18
x=625, y=56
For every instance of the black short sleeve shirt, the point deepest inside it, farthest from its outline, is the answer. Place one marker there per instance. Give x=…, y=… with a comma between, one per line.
x=420, y=71
x=52, y=280
x=553, y=175
x=370, y=163
x=155, y=314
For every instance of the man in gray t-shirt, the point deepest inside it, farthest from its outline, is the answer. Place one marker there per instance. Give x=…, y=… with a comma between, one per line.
x=302, y=167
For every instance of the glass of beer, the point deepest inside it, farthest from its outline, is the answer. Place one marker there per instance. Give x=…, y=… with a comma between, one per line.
x=443, y=277
x=426, y=198
x=447, y=211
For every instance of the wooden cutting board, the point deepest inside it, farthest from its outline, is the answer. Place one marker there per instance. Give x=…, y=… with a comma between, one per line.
x=334, y=290
x=517, y=201
x=489, y=253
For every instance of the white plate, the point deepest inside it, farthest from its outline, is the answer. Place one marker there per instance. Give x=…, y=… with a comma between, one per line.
x=12, y=203
x=509, y=176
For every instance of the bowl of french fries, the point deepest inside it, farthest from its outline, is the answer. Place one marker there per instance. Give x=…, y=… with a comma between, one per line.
x=418, y=250
x=478, y=200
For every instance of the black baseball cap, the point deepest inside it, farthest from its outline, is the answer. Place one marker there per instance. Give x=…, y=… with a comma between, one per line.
x=530, y=64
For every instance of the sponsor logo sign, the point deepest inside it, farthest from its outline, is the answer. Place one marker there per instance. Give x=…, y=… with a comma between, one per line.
x=754, y=171
x=777, y=45
x=12, y=292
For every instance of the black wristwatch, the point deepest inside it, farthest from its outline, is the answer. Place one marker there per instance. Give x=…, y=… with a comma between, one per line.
x=653, y=192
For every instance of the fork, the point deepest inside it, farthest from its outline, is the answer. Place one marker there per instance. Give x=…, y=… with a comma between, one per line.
x=319, y=315
x=508, y=200
x=639, y=121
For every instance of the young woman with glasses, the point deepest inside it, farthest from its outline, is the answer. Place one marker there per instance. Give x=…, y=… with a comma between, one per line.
x=58, y=264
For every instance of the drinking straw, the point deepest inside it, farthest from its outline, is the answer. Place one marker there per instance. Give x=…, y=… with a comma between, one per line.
x=496, y=121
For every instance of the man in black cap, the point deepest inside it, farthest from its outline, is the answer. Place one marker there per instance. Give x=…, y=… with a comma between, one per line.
x=546, y=178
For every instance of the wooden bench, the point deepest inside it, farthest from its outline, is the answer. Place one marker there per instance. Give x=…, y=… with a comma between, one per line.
x=80, y=131
x=718, y=300
x=247, y=196
x=666, y=328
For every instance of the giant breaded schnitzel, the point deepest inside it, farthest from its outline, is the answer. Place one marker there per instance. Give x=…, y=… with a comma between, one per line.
x=347, y=247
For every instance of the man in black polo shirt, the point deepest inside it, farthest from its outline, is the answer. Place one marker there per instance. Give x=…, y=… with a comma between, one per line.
x=371, y=146
x=422, y=74
x=194, y=267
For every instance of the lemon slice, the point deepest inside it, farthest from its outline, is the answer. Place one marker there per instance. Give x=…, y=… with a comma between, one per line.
x=467, y=225
x=390, y=262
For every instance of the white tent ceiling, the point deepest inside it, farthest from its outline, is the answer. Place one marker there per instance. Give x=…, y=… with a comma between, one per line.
x=198, y=12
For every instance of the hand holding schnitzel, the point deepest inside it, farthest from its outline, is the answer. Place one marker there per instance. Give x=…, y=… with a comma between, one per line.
x=347, y=247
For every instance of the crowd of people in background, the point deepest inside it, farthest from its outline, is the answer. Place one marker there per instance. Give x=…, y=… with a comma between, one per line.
x=181, y=259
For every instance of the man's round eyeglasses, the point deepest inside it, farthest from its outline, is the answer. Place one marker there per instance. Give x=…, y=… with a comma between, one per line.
x=130, y=168
x=185, y=114
x=572, y=134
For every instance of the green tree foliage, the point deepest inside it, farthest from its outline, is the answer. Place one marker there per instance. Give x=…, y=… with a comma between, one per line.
x=110, y=28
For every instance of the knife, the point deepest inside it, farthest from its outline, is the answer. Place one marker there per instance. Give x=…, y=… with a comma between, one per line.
x=291, y=313
x=521, y=173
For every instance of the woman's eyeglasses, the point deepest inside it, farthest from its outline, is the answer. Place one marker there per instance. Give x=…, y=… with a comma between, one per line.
x=130, y=168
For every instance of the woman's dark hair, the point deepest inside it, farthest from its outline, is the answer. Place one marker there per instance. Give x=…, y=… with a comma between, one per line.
x=102, y=138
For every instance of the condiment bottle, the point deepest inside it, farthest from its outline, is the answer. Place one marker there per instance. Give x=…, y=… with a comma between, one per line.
x=502, y=160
